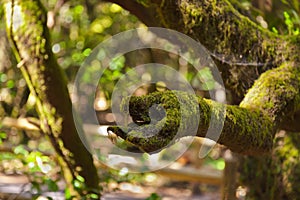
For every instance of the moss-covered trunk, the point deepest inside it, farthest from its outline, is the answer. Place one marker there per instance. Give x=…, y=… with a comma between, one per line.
x=27, y=30
x=274, y=176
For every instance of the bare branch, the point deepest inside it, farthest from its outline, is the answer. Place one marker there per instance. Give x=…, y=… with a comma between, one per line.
x=21, y=123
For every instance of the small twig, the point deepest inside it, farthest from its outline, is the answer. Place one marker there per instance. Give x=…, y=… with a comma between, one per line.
x=20, y=64
x=29, y=124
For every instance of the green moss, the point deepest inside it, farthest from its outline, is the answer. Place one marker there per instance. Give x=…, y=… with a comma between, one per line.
x=230, y=36
x=244, y=131
x=178, y=112
x=274, y=176
x=287, y=159
x=201, y=17
x=276, y=92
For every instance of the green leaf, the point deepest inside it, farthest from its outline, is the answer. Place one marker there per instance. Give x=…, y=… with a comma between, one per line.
x=77, y=184
x=10, y=84
x=78, y=9
x=117, y=63
x=296, y=32
x=21, y=150
x=87, y=52
x=80, y=178
x=94, y=196
x=52, y=186
x=154, y=196
x=2, y=136
x=68, y=194
x=274, y=30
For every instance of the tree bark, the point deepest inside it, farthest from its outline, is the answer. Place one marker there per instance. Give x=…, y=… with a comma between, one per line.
x=27, y=30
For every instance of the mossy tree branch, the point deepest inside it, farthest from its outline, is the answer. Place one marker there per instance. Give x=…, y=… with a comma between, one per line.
x=227, y=34
x=27, y=30
x=241, y=49
x=235, y=41
x=244, y=131
x=249, y=128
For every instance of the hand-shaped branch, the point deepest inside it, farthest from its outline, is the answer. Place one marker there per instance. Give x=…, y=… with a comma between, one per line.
x=154, y=130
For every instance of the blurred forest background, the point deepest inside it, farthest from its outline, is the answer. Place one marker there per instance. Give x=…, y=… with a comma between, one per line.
x=76, y=28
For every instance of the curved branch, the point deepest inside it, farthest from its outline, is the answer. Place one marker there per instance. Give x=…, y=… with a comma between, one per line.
x=276, y=92
x=241, y=49
x=249, y=128
x=244, y=131
x=218, y=26
x=235, y=42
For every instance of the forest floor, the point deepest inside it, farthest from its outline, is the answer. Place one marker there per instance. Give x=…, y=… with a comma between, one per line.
x=16, y=188
x=166, y=193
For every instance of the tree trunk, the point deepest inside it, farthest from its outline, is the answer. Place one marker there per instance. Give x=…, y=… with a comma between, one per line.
x=27, y=30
